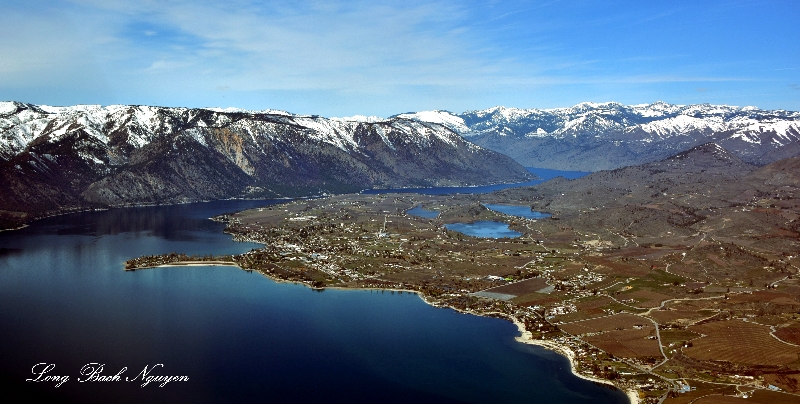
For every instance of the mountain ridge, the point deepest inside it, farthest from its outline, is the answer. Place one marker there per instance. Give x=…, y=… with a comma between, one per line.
x=598, y=136
x=65, y=158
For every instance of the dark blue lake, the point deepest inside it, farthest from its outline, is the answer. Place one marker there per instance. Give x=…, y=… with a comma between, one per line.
x=238, y=336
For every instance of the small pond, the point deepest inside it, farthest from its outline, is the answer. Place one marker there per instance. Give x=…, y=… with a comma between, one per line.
x=484, y=229
x=418, y=211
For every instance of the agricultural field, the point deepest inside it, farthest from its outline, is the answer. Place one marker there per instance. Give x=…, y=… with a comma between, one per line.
x=616, y=322
x=643, y=298
x=678, y=317
x=627, y=343
x=676, y=337
x=789, y=334
x=753, y=397
x=741, y=342
x=522, y=288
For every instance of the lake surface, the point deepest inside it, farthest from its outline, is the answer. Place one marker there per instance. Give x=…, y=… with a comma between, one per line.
x=484, y=229
x=238, y=336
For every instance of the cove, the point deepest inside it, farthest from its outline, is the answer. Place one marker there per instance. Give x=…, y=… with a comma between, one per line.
x=238, y=336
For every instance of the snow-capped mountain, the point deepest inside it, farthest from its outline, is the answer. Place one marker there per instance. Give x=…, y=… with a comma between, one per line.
x=57, y=158
x=596, y=136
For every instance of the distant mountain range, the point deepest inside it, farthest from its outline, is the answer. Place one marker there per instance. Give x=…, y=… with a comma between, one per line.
x=56, y=159
x=600, y=136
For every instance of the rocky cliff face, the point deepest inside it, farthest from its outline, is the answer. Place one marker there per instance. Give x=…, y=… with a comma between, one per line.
x=60, y=158
x=601, y=136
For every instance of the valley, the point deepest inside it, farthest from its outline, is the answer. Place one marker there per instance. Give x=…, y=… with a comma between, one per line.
x=674, y=280
x=55, y=160
x=670, y=271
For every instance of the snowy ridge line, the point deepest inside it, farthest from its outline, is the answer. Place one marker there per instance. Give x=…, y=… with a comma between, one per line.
x=138, y=125
x=658, y=119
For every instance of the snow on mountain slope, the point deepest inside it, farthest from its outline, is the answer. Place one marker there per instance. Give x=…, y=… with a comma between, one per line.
x=659, y=118
x=55, y=159
x=138, y=126
x=249, y=111
x=445, y=118
x=593, y=136
x=360, y=118
x=682, y=124
x=19, y=125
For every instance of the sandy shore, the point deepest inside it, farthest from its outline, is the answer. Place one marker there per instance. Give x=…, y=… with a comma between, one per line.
x=527, y=338
x=15, y=228
x=191, y=264
x=200, y=264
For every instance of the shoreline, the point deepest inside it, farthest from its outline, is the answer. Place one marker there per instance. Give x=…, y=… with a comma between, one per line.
x=15, y=228
x=65, y=212
x=525, y=336
x=191, y=264
x=49, y=214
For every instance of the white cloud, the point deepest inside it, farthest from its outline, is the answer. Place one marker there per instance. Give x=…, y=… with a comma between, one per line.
x=165, y=65
x=314, y=45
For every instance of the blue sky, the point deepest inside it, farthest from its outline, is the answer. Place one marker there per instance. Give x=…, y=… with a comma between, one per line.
x=381, y=58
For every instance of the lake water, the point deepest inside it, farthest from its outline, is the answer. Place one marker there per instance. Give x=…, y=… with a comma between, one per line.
x=484, y=229
x=238, y=336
